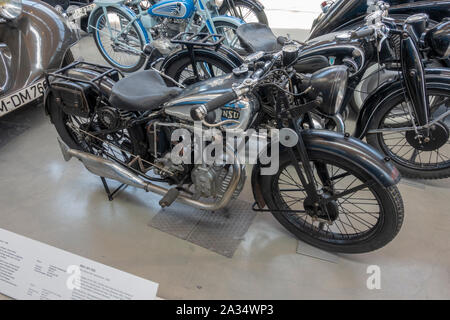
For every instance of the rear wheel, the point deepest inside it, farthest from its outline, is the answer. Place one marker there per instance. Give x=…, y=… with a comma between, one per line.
x=361, y=221
x=123, y=51
x=80, y=133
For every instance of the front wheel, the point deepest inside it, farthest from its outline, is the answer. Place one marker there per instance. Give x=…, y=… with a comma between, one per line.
x=361, y=221
x=119, y=41
x=417, y=155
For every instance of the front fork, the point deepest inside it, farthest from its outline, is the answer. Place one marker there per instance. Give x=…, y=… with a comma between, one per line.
x=307, y=178
x=414, y=79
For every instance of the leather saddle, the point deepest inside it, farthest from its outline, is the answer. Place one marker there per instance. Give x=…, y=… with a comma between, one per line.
x=141, y=91
x=256, y=37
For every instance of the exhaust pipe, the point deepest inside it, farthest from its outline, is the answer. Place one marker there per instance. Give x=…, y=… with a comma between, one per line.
x=109, y=169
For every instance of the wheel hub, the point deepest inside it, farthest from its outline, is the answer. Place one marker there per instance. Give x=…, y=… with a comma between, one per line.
x=437, y=137
x=330, y=213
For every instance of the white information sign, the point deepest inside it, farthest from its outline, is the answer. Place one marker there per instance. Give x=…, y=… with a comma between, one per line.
x=33, y=270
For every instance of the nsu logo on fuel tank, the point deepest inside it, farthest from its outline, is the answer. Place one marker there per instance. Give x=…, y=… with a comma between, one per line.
x=176, y=10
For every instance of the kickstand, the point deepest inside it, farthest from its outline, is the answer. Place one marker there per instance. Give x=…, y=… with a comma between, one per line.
x=110, y=194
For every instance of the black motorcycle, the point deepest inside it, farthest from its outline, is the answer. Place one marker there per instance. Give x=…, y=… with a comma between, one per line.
x=330, y=190
x=407, y=116
x=340, y=15
x=350, y=14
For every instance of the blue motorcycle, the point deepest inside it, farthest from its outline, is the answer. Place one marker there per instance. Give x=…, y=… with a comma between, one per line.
x=122, y=28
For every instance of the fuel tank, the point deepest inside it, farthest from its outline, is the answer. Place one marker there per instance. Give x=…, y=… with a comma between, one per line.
x=178, y=9
x=242, y=110
x=338, y=49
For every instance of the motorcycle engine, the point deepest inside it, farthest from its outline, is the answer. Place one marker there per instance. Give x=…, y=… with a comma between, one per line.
x=164, y=31
x=211, y=181
x=112, y=118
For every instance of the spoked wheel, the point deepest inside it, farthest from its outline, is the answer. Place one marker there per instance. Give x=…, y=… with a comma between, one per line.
x=228, y=30
x=123, y=50
x=362, y=220
x=79, y=133
x=424, y=154
x=244, y=11
x=205, y=67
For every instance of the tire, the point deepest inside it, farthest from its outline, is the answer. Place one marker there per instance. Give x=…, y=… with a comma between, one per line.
x=247, y=7
x=387, y=226
x=409, y=169
x=102, y=48
x=220, y=27
x=176, y=68
x=59, y=119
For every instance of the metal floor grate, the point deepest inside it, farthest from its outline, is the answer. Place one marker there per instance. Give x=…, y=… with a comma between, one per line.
x=220, y=231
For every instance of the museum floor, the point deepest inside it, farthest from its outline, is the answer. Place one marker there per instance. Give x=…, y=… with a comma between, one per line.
x=61, y=204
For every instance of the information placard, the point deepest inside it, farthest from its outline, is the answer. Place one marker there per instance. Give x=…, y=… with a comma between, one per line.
x=33, y=270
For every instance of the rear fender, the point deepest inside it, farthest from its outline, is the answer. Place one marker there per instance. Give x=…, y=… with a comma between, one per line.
x=354, y=151
x=83, y=74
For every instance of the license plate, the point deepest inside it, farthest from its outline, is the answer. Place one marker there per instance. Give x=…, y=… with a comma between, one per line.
x=81, y=12
x=21, y=97
x=230, y=114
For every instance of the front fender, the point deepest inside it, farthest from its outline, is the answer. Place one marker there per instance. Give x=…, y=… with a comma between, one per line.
x=352, y=150
x=36, y=42
x=386, y=91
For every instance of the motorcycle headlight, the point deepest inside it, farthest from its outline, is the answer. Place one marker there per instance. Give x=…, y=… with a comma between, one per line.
x=331, y=84
x=10, y=9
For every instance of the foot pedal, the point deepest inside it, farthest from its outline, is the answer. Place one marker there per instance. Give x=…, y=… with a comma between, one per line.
x=169, y=197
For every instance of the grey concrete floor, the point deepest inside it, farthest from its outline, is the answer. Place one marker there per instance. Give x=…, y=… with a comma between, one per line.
x=63, y=205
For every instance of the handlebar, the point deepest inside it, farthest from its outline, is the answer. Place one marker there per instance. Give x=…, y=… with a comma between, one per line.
x=199, y=113
x=363, y=33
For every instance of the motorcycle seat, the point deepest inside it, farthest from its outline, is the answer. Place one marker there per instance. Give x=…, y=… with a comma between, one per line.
x=141, y=91
x=256, y=37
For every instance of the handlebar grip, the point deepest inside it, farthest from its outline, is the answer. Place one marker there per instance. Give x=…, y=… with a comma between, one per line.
x=199, y=113
x=362, y=33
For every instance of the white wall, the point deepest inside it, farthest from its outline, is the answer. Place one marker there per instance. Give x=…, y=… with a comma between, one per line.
x=292, y=14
